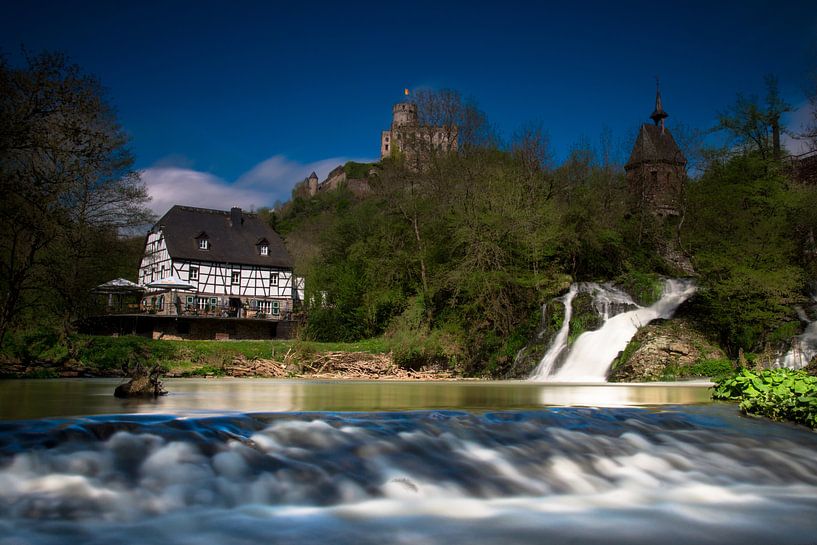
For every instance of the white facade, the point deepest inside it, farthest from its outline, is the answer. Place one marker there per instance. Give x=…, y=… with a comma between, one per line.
x=220, y=288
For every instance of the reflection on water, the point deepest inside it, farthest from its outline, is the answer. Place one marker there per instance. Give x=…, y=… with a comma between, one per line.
x=69, y=397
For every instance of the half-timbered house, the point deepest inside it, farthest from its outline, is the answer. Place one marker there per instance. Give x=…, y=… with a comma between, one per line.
x=235, y=263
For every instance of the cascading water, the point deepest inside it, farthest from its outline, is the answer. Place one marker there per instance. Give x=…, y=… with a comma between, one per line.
x=590, y=357
x=804, y=346
x=560, y=341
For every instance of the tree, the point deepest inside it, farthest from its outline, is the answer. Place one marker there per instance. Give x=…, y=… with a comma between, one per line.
x=755, y=126
x=66, y=180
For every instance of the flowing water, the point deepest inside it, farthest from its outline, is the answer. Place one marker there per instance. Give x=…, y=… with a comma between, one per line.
x=231, y=461
x=590, y=356
x=804, y=346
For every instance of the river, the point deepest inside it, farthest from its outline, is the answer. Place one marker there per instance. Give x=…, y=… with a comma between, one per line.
x=227, y=461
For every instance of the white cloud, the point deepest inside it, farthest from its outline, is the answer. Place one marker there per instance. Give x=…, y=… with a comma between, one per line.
x=173, y=185
x=268, y=181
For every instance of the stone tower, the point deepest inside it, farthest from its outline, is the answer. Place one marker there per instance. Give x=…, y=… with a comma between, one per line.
x=312, y=184
x=656, y=171
x=404, y=115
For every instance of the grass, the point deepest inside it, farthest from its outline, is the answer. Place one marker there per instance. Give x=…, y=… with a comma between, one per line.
x=109, y=355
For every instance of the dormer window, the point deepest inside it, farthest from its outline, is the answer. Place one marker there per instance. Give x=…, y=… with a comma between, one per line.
x=262, y=245
x=203, y=241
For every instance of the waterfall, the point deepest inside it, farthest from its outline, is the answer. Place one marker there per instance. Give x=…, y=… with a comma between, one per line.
x=803, y=347
x=560, y=341
x=590, y=357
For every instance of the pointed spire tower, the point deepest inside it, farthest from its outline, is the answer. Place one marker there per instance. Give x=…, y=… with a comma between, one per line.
x=658, y=115
x=656, y=170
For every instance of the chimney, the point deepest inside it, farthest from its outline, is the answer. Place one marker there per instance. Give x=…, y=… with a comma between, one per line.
x=235, y=217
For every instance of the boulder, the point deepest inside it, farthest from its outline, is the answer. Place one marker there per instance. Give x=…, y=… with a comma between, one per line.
x=144, y=383
x=665, y=350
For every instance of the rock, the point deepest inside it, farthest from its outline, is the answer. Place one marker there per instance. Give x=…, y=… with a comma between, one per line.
x=145, y=383
x=664, y=350
x=811, y=368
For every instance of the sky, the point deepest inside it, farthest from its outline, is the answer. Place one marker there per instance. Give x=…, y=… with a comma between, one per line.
x=232, y=103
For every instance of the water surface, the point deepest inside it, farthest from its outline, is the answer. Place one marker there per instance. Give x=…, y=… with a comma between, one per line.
x=243, y=462
x=76, y=397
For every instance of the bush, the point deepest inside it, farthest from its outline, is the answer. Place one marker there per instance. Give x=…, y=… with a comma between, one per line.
x=779, y=394
x=713, y=368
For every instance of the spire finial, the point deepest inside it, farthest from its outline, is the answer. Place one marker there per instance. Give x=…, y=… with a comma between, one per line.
x=659, y=114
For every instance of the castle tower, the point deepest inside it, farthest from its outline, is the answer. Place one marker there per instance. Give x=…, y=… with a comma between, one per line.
x=404, y=113
x=656, y=171
x=312, y=184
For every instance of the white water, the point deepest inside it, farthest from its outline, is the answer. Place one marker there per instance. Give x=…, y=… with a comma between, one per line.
x=579, y=476
x=590, y=357
x=804, y=346
x=560, y=341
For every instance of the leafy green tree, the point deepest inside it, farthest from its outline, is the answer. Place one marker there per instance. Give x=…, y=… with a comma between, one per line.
x=754, y=124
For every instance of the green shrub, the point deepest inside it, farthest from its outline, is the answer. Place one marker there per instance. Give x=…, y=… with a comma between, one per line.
x=644, y=288
x=713, y=368
x=779, y=394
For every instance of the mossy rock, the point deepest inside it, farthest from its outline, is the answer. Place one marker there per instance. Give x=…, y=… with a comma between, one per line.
x=585, y=317
x=669, y=350
x=529, y=357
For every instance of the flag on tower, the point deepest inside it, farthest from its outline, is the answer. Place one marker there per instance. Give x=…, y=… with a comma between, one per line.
x=406, y=91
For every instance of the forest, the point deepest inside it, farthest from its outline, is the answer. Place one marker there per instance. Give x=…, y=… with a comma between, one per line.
x=451, y=255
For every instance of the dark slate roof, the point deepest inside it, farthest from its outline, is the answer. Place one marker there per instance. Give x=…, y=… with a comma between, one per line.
x=655, y=146
x=181, y=226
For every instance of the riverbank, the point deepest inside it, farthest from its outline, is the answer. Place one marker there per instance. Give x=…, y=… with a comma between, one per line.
x=91, y=356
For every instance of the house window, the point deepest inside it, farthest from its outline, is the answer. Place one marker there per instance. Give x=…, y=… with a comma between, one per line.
x=273, y=279
x=153, y=274
x=276, y=308
x=263, y=306
x=236, y=277
x=204, y=244
x=193, y=274
x=264, y=249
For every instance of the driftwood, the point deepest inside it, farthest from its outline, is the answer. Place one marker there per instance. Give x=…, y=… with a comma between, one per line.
x=331, y=365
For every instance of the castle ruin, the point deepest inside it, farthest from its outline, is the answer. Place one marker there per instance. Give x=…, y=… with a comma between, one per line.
x=413, y=140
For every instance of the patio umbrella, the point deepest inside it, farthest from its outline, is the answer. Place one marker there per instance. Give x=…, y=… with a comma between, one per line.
x=119, y=287
x=172, y=283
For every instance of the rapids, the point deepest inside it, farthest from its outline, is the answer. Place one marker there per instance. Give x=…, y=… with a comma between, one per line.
x=698, y=474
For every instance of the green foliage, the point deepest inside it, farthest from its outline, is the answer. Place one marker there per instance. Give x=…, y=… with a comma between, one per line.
x=779, y=394
x=357, y=171
x=712, y=368
x=741, y=227
x=644, y=287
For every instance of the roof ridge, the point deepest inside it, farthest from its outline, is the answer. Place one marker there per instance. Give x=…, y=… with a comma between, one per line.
x=209, y=210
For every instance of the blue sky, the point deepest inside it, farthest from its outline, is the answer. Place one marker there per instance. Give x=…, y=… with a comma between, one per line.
x=239, y=101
